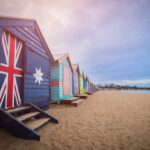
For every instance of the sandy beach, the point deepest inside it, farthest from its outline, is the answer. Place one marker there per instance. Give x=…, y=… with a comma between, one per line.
x=106, y=120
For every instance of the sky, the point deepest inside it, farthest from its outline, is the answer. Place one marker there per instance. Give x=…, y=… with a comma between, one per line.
x=109, y=39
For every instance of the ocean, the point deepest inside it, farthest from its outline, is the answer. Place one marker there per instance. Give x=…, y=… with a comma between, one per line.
x=136, y=91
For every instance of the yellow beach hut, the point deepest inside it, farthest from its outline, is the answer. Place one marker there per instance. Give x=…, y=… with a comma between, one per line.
x=81, y=83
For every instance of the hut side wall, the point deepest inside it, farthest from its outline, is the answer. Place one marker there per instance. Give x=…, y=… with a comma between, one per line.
x=55, y=82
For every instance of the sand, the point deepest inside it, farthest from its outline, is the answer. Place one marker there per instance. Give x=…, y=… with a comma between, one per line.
x=106, y=120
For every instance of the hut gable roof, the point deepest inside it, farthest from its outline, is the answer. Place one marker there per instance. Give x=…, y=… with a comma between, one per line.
x=82, y=75
x=26, y=24
x=76, y=68
x=87, y=78
x=60, y=57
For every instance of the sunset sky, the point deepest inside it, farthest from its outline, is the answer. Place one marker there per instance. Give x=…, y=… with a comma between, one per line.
x=110, y=39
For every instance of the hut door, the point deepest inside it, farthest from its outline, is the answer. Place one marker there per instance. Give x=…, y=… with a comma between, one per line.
x=66, y=81
x=10, y=71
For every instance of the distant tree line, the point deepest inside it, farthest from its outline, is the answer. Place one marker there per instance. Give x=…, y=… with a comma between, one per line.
x=120, y=87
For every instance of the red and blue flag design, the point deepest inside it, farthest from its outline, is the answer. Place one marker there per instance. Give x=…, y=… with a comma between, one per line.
x=10, y=71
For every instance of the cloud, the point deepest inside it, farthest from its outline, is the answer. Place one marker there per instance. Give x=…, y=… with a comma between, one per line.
x=108, y=38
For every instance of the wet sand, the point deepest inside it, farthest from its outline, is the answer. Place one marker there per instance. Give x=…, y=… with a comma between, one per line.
x=105, y=121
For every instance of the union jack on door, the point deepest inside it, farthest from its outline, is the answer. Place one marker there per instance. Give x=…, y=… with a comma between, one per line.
x=10, y=70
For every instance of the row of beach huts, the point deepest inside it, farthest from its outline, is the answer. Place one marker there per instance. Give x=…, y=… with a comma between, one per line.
x=31, y=78
x=68, y=84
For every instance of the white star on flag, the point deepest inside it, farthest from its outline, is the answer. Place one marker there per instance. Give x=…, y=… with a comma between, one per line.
x=38, y=76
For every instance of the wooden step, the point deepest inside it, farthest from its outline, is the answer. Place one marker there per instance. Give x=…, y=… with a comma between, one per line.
x=89, y=93
x=28, y=116
x=26, y=130
x=71, y=99
x=37, y=123
x=83, y=96
x=18, y=109
x=77, y=102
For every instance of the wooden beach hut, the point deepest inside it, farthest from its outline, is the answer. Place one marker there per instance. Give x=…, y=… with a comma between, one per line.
x=61, y=78
x=91, y=87
x=88, y=84
x=81, y=86
x=85, y=84
x=25, y=66
x=94, y=88
x=76, y=75
x=81, y=83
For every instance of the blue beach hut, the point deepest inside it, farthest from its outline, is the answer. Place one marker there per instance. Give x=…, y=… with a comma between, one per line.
x=25, y=64
x=61, y=78
x=85, y=84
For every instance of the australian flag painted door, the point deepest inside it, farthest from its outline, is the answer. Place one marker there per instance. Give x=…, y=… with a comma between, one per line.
x=10, y=70
x=36, y=79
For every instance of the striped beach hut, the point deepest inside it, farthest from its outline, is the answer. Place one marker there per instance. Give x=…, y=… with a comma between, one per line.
x=61, y=78
x=76, y=75
x=81, y=83
x=25, y=64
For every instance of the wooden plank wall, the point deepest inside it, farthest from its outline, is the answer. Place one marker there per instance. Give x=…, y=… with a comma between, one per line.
x=75, y=83
x=34, y=51
x=81, y=84
x=84, y=85
x=55, y=82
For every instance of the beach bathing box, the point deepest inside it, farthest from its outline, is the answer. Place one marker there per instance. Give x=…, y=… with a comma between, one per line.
x=94, y=88
x=88, y=84
x=25, y=64
x=91, y=87
x=81, y=83
x=76, y=75
x=61, y=78
x=85, y=84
